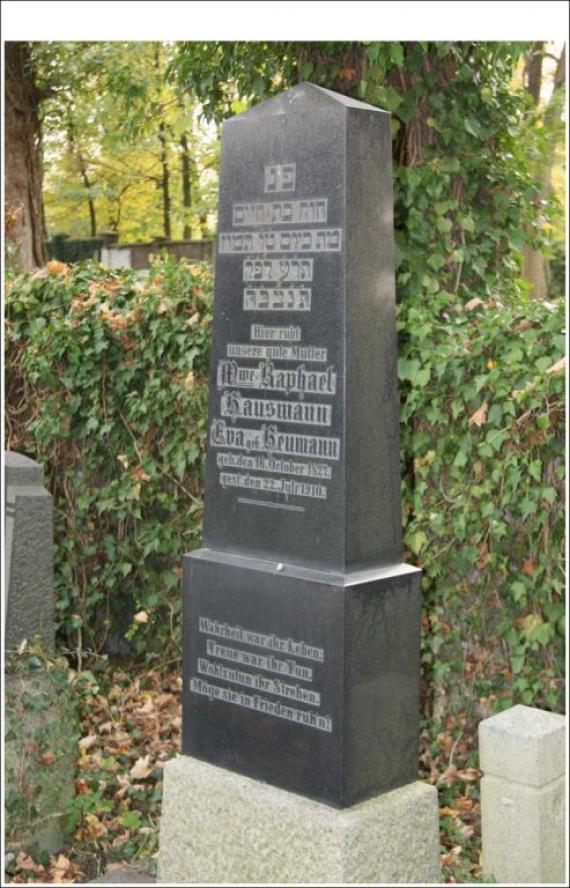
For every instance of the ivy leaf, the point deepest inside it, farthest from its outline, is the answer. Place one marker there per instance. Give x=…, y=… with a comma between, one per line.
x=141, y=768
x=131, y=819
x=472, y=126
x=397, y=54
x=517, y=663
x=417, y=541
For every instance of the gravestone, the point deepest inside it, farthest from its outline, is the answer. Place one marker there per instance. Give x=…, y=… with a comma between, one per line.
x=29, y=553
x=301, y=624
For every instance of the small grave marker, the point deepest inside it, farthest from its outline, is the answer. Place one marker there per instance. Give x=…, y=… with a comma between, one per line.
x=29, y=553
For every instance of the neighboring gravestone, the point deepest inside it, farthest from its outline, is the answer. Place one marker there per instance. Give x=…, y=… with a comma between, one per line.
x=522, y=753
x=29, y=553
x=41, y=733
x=301, y=624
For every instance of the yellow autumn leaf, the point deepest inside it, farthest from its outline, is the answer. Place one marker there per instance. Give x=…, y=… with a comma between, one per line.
x=94, y=827
x=479, y=417
x=55, y=267
x=141, y=768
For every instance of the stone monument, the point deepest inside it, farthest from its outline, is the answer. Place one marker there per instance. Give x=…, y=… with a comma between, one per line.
x=29, y=553
x=40, y=707
x=301, y=624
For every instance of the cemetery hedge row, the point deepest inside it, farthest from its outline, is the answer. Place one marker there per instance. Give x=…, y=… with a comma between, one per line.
x=106, y=384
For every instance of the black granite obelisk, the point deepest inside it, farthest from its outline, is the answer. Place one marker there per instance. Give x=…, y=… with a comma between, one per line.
x=301, y=624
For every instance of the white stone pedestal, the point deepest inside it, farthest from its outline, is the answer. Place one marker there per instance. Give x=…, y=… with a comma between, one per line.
x=522, y=754
x=218, y=826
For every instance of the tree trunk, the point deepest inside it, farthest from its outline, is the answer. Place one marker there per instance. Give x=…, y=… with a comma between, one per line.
x=186, y=188
x=82, y=166
x=24, y=217
x=535, y=264
x=533, y=71
x=164, y=181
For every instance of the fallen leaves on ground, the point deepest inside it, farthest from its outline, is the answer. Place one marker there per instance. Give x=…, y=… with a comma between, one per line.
x=59, y=869
x=447, y=760
x=131, y=727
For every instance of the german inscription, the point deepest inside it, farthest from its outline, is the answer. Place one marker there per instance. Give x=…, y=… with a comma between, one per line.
x=273, y=669
x=264, y=388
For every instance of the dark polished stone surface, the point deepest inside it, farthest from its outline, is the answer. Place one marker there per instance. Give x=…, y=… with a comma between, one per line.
x=301, y=626
x=305, y=679
x=305, y=252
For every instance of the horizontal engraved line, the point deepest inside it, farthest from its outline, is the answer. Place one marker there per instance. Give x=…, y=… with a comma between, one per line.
x=266, y=377
x=279, y=177
x=277, y=298
x=237, y=406
x=272, y=642
x=254, y=502
x=277, y=352
x=269, y=439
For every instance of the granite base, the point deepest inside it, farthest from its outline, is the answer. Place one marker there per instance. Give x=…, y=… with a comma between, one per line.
x=219, y=826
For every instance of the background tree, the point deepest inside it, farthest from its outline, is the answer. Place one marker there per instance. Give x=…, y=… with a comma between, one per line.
x=24, y=215
x=456, y=120
x=544, y=131
x=125, y=150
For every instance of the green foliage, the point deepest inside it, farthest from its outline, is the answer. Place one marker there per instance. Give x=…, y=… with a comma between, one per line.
x=483, y=435
x=225, y=76
x=112, y=372
x=481, y=413
x=109, y=373
x=112, y=124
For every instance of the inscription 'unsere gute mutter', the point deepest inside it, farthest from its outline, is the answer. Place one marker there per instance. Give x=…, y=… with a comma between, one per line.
x=284, y=379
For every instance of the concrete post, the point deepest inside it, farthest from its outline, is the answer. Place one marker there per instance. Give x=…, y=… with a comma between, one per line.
x=522, y=755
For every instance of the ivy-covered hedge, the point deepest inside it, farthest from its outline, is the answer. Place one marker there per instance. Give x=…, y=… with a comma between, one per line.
x=482, y=423
x=106, y=385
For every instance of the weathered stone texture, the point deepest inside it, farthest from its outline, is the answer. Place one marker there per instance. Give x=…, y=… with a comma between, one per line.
x=218, y=826
x=522, y=753
x=29, y=554
x=40, y=718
